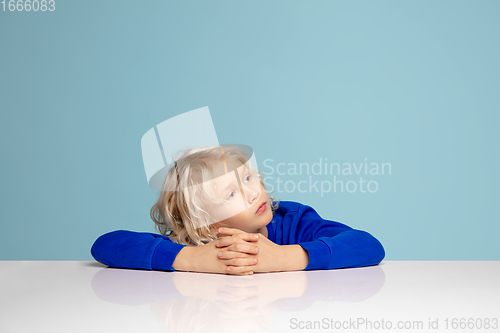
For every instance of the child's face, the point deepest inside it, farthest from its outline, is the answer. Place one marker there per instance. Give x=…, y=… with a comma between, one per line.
x=241, y=200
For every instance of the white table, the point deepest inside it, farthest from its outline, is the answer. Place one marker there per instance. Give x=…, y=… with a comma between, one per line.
x=85, y=296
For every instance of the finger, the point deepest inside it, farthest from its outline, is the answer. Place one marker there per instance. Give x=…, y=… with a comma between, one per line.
x=243, y=248
x=233, y=254
x=249, y=273
x=241, y=261
x=238, y=269
x=243, y=236
x=224, y=241
x=228, y=240
x=247, y=236
x=229, y=231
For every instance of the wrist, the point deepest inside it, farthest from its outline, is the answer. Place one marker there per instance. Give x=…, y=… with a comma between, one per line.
x=183, y=261
x=295, y=258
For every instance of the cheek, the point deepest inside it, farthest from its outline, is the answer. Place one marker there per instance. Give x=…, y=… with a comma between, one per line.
x=229, y=211
x=238, y=220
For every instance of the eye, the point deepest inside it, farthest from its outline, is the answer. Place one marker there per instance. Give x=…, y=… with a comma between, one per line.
x=231, y=195
x=248, y=177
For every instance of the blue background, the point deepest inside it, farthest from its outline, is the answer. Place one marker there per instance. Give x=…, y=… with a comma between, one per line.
x=411, y=83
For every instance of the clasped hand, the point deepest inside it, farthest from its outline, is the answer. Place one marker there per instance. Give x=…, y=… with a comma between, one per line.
x=244, y=254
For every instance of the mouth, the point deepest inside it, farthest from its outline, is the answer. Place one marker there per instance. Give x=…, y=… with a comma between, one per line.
x=262, y=208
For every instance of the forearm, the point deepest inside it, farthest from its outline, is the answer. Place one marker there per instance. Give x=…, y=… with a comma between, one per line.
x=348, y=249
x=295, y=258
x=183, y=261
x=135, y=250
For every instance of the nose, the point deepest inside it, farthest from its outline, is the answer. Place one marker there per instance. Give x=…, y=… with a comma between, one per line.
x=252, y=193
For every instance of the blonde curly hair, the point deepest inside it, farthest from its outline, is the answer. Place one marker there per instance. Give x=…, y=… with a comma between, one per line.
x=179, y=214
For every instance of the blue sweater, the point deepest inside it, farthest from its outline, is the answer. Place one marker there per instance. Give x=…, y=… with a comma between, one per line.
x=329, y=244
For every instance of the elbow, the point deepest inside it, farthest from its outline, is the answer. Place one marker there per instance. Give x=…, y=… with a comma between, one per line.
x=104, y=245
x=97, y=248
x=377, y=251
x=374, y=251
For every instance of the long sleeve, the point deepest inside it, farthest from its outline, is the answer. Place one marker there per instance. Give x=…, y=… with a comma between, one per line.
x=332, y=245
x=136, y=250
